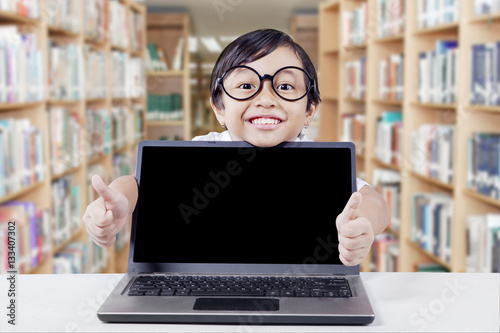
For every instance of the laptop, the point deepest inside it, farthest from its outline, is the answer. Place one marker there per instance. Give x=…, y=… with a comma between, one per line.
x=230, y=233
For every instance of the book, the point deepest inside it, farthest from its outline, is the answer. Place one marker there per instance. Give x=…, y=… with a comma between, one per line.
x=431, y=13
x=438, y=70
x=354, y=24
x=30, y=9
x=22, y=78
x=388, y=183
x=96, y=13
x=353, y=129
x=96, y=83
x=482, y=7
x=483, y=174
x=391, y=78
x=483, y=235
x=65, y=140
x=66, y=71
x=432, y=147
x=66, y=209
x=388, y=137
x=98, y=132
x=119, y=27
x=385, y=252
x=432, y=214
x=356, y=78
x=65, y=15
x=391, y=17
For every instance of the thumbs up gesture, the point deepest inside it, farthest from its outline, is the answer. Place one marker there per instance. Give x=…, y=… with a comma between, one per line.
x=107, y=215
x=355, y=232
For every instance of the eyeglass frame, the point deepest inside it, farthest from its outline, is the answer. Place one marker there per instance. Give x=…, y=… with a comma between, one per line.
x=312, y=83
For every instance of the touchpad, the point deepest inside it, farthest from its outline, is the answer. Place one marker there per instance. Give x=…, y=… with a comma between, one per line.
x=237, y=304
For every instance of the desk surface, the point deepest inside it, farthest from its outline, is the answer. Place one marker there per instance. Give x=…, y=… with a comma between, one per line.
x=403, y=302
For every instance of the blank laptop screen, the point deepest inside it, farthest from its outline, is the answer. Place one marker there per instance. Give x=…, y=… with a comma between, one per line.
x=241, y=205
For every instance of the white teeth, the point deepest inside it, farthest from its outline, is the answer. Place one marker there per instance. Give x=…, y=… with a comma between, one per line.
x=265, y=121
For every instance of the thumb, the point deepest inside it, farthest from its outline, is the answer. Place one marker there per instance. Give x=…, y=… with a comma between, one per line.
x=109, y=195
x=350, y=209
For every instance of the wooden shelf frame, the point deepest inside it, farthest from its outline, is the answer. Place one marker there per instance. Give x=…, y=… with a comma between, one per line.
x=467, y=118
x=36, y=111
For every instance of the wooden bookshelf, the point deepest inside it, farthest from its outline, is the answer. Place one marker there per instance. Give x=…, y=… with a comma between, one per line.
x=37, y=112
x=166, y=30
x=466, y=118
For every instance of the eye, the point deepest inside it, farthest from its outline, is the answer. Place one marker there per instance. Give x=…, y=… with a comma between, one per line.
x=284, y=86
x=246, y=86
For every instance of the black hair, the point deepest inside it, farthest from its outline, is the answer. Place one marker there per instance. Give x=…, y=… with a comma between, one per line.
x=253, y=46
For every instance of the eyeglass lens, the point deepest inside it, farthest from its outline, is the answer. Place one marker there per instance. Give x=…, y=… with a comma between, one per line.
x=288, y=83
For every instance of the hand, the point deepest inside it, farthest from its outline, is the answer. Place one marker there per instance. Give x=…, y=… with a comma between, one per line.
x=107, y=215
x=355, y=232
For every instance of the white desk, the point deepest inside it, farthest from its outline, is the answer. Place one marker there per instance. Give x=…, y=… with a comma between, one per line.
x=403, y=302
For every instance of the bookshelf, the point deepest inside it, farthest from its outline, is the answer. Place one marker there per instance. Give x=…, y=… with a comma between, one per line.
x=466, y=119
x=169, y=33
x=67, y=42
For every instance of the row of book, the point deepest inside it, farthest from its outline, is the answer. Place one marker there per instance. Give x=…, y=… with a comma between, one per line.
x=64, y=14
x=136, y=31
x=431, y=223
x=390, y=17
x=390, y=78
x=485, y=74
x=96, y=14
x=118, y=24
x=66, y=209
x=354, y=24
x=21, y=155
x=80, y=257
x=354, y=130
x=438, y=73
x=127, y=125
x=432, y=148
x=66, y=71
x=128, y=76
x=25, y=8
x=123, y=164
x=483, y=243
x=65, y=140
x=96, y=83
x=385, y=253
x=164, y=107
x=388, y=183
x=22, y=78
x=432, y=13
x=98, y=132
x=482, y=7
x=388, y=140
x=356, y=78
x=159, y=58
x=483, y=170
x=29, y=238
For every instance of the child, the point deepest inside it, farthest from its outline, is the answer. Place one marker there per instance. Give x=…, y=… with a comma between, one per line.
x=264, y=91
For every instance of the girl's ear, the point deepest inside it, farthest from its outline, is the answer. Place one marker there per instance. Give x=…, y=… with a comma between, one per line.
x=219, y=113
x=310, y=114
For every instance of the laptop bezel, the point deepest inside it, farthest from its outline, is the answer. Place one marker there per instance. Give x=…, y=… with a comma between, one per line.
x=217, y=268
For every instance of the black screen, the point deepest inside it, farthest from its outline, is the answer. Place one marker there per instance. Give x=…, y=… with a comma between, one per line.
x=241, y=205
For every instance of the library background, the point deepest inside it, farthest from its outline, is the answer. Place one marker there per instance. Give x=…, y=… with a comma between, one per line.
x=414, y=84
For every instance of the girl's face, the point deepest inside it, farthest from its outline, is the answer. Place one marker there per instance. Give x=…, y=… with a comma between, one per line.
x=266, y=119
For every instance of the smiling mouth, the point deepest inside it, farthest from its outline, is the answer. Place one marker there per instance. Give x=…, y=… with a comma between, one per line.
x=265, y=121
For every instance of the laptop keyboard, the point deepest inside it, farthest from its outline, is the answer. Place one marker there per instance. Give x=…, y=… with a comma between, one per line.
x=167, y=285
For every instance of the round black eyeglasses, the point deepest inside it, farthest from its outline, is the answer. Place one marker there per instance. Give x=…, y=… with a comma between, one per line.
x=242, y=82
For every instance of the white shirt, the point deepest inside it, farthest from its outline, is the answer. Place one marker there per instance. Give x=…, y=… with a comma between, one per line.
x=225, y=136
